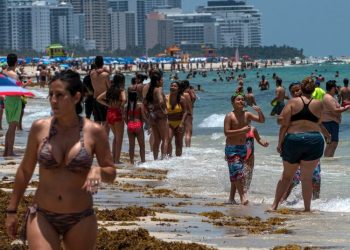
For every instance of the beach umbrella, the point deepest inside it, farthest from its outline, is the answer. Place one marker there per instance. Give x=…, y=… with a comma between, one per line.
x=9, y=87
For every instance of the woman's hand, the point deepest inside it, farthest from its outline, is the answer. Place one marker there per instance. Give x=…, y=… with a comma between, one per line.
x=93, y=180
x=11, y=224
x=279, y=148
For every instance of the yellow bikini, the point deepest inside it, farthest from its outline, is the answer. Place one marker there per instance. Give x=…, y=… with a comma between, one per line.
x=174, y=115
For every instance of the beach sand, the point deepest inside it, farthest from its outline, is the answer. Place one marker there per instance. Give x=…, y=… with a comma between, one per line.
x=176, y=217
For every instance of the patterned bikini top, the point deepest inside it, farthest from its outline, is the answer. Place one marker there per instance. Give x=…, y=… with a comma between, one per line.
x=81, y=162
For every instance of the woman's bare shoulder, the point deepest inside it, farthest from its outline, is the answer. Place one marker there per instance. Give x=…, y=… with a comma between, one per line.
x=93, y=128
x=41, y=124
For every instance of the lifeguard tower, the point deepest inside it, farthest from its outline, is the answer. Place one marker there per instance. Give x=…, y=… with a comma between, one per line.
x=55, y=50
x=173, y=51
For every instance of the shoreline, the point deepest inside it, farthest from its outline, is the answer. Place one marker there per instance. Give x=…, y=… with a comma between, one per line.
x=197, y=219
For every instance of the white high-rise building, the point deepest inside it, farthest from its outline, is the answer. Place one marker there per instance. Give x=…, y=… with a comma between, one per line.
x=138, y=8
x=41, y=36
x=97, y=25
x=122, y=30
x=240, y=24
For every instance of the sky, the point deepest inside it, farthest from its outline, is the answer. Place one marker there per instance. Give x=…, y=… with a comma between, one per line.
x=320, y=27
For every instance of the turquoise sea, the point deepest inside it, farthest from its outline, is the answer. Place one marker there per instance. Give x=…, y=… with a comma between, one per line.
x=202, y=170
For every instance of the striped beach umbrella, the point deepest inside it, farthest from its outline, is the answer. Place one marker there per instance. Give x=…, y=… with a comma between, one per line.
x=9, y=87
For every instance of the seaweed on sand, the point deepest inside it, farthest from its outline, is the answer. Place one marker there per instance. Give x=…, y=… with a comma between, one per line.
x=139, y=240
x=124, y=214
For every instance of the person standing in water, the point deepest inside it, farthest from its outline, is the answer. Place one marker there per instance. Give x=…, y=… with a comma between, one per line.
x=236, y=126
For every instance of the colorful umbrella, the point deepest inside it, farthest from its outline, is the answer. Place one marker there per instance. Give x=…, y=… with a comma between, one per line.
x=9, y=87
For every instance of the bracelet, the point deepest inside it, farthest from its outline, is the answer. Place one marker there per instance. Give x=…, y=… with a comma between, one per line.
x=11, y=211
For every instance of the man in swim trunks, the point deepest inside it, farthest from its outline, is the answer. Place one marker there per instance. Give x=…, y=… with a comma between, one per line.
x=344, y=94
x=264, y=84
x=279, y=99
x=236, y=126
x=13, y=107
x=100, y=82
x=331, y=117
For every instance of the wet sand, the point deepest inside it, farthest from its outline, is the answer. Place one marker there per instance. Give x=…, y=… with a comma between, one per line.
x=137, y=200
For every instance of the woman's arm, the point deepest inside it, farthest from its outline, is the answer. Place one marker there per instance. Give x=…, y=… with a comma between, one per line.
x=102, y=99
x=162, y=101
x=257, y=137
x=285, y=122
x=185, y=111
x=23, y=175
x=122, y=99
x=26, y=168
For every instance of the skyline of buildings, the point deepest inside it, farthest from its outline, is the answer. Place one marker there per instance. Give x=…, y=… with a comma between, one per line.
x=109, y=25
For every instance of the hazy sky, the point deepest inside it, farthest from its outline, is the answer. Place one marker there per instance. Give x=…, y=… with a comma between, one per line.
x=320, y=27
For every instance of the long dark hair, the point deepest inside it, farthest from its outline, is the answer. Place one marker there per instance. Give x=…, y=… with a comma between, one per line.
x=73, y=85
x=180, y=92
x=155, y=76
x=114, y=91
x=132, y=100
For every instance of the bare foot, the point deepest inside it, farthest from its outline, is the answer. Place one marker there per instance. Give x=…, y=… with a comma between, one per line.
x=245, y=202
x=231, y=202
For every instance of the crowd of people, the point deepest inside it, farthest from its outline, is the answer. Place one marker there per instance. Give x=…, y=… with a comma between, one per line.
x=65, y=144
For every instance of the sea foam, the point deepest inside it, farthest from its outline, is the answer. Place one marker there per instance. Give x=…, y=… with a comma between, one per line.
x=213, y=121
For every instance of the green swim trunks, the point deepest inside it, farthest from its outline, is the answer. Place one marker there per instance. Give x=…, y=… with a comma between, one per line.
x=13, y=108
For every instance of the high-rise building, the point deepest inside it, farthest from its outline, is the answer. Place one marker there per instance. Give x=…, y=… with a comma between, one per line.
x=40, y=26
x=78, y=5
x=20, y=27
x=78, y=28
x=195, y=29
x=61, y=20
x=240, y=24
x=160, y=31
x=175, y=3
x=97, y=25
x=154, y=5
x=122, y=30
x=5, y=24
x=138, y=8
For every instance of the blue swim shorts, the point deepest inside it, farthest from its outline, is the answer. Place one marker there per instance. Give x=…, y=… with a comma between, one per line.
x=306, y=146
x=235, y=155
x=332, y=128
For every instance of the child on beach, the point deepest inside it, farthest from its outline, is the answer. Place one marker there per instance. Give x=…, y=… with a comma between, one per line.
x=249, y=161
x=236, y=125
x=134, y=122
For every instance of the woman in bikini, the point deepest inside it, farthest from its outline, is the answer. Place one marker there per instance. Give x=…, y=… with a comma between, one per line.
x=177, y=113
x=155, y=108
x=114, y=98
x=63, y=146
x=190, y=97
x=134, y=121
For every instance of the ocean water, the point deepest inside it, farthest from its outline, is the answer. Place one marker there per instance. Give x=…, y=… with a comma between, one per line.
x=202, y=170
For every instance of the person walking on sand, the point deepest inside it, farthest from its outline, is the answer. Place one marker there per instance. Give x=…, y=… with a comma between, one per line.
x=236, y=126
x=300, y=142
x=13, y=107
x=331, y=117
x=344, y=93
x=64, y=146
